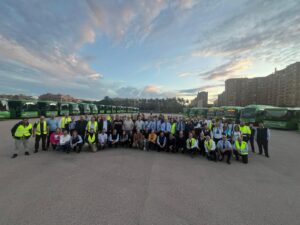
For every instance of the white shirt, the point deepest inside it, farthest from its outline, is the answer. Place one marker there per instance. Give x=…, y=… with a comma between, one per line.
x=105, y=124
x=102, y=138
x=139, y=124
x=64, y=139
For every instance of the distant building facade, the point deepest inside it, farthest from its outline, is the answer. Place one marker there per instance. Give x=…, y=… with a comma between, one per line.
x=282, y=88
x=201, y=100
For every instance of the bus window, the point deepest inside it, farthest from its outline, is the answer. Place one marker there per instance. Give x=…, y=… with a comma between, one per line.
x=3, y=106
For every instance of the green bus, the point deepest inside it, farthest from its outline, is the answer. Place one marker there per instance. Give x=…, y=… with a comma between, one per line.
x=298, y=116
x=113, y=109
x=253, y=113
x=102, y=109
x=84, y=108
x=219, y=113
x=136, y=110
x=74, y=108
x=48, y=108
x=93, y=109
x=198, y=111
x=211, y=112
x=63, y=108
x=281, y=118
x=186, y=111
x=23, y=108
x=4, y=109
x=232, y=112
x=108, y=109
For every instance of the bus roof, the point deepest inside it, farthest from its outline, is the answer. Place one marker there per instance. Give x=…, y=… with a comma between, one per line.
x=284, y=108
x=258, y=106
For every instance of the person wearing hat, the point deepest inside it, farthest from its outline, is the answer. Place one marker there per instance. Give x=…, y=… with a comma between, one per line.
x=224, y=148
x=21, y=132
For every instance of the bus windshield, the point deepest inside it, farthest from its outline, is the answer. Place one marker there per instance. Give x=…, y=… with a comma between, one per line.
x=3, y=106
x=64, y=107
x=75, y=107
x=247, y=113
x=52, y=107
x=277, y=114
x=230, y=113
x=93, y=107
x=29, y=106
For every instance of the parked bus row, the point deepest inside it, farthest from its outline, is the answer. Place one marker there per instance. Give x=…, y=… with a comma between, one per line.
x=273, y=117
x=31, y=108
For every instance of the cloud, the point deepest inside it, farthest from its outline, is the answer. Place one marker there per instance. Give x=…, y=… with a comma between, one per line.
x=258, y=30
x=194, y=91
x=95, y=76
x=151, y=89
x=233, y=68
x=186, y=74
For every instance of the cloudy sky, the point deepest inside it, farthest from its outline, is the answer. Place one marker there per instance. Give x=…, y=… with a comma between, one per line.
x=142, y=48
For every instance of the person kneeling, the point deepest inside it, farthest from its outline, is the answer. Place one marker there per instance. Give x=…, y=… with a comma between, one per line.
x=241, y=149
x=210, y=148
x=161, y=142
x=76, y=142
x=114, y=139
x=138, y=140
x=91, y=140
x=191, y=145
x=224, y=147
x=172, y=143
x=102, y=140
x=64, y=142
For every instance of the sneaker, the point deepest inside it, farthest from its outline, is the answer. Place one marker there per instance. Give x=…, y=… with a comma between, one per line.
x=27, y=153
x=35, y=151
x=14, y=156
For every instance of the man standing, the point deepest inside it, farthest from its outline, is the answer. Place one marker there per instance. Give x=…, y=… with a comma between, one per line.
x=224, y=147
x=262, y=137
x=64, y=122
x=81, y=126
x=92, y=125
x=128, y=125
x=40, y=131
x=52, y=124
x=21, y=132
x=118, y=125
x=253, y=132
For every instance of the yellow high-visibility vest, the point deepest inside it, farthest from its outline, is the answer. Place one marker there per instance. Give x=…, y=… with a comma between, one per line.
x=91, y=138
x=173, y=128
x=27, y=130
x=38, y=128
x=23, y=131
x=65, y=121
x=245, y=130
x=90, y=124
x=242, y=148
x=209, y=144
x=190, y=142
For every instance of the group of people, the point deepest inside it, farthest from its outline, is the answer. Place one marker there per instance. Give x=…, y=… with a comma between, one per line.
x=214, y=139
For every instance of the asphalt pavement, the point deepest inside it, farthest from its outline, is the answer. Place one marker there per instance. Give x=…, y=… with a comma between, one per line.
x=133, y=187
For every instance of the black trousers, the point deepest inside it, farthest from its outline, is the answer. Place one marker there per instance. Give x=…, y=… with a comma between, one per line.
x=251, y=140
x=228, y=153
x=192, y=151
x=37, y=141
x=152, y=146
x=77, y=148
x=263, y=145
x=244, y=157
x=212, y=155
x=48, y=138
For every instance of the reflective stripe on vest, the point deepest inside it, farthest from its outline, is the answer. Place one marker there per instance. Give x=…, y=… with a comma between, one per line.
x=241, y=148
x=91, y=139
x=173, y=128
x=38, y=128
x=209, y=144
x=90, y=124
